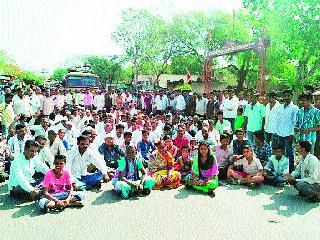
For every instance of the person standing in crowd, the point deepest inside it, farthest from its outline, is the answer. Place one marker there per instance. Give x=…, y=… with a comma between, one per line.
x=201, y=105
x=210, y=106
x=271, y=116
x=229, y=107
x=308, y=121
x=47, y=105
x=286, y=121
x=21, y=104
x=254, y=117
x=180, y=103
x=306, y=177
x=8, y=115
x=88, y=100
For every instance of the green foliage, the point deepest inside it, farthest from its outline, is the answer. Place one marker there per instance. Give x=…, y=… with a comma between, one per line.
x=109, y=70
x=59, y=73
x=8, y=65
x=180, y=64
x=31, y=76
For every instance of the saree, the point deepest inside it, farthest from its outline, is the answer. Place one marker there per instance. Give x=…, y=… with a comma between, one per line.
x=159, y=166
x=203, y=180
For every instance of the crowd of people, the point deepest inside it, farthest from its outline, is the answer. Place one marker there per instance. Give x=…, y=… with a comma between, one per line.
x=57, y=144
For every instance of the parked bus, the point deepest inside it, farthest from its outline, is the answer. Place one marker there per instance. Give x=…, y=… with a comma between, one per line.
x=78, y=80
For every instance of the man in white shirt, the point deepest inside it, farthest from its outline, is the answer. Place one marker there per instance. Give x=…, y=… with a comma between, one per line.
x=34, y=100
x=17, y=142
x=98, y=101
x=286, y=121
x=41, y=129
x=21, y=104
x=180, y=103
x=201, y=105
x=306, y=177
x=229, y=107
x=21, y=183
x=78, y=160
x=271, y=113
x=44, y=153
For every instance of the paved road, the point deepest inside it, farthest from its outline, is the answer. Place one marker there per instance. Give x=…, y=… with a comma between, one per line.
x=235, y=213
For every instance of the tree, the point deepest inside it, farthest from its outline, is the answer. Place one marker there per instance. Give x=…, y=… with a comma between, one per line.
x=59, y=73
x=133, y=34
x=294, y=27
x=108, y=69
x=8, y=65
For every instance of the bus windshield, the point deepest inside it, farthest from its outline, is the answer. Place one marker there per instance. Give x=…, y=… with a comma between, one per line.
x=82, y=81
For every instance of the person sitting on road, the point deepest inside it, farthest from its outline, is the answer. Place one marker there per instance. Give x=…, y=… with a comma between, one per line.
x=276, y=168
x=223, y=152
x=127, y=181
x=252, y=174
x=23, y=168
x=306, y=177
x=78, y=160
x=58, y=187
x=111, y=152
x=145, y=147
x=204, y=173
x=184, y=163
x=161, y=168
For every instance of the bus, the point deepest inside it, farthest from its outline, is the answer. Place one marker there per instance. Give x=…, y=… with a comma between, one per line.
x=79, y=80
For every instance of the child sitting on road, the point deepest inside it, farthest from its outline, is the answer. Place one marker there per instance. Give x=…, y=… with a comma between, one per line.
x=184, y=162
x=58, y=188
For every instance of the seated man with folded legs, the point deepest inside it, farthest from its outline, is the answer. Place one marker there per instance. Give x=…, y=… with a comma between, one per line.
x=276, y=168
x=23, y=168
x=252, y=174
x=78, y=161
x=306, y=177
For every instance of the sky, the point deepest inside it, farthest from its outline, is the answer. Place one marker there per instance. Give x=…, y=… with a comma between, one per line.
x=43, y=34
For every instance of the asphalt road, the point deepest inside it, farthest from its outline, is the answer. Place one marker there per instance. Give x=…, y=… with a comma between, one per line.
x=235, y=213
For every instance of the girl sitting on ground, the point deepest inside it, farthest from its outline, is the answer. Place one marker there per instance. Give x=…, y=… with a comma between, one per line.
x=184, y=163
x=252, y=174
x=204, y=173
x=58, y=188
x=126, y=180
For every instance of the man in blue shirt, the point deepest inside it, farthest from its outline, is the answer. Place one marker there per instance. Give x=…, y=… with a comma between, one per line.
x=111, y=152
x=145, y=147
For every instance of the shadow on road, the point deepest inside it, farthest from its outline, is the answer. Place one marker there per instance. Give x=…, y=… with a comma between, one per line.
x=185, y=192
x=107, y=197
x=289, y=203
x=23, y=208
